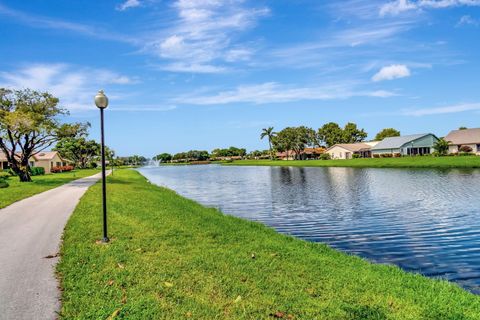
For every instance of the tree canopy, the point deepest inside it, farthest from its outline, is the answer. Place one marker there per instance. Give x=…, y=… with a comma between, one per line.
x=387, y=133
x=28, y=125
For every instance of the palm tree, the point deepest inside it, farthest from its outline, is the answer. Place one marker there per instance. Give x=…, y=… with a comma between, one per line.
x=268, y=132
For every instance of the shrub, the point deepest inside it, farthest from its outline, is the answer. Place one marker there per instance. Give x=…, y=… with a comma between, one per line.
x=324, y=156
x=375, y=155
x=92, y=165
x=356, y=156
x=397, y=155
x=4, y=175
x=386, y=155
x=465, y=149
x=464, y=154
x=3, y=183
x=37, y=171
x=61, y=169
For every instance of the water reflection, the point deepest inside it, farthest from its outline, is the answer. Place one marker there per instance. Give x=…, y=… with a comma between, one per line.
x=426, y=221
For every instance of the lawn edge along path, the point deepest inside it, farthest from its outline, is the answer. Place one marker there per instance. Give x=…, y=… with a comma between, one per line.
x=18, y=191
x=171, y=258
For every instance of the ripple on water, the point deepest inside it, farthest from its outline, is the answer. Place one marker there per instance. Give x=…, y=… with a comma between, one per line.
x=425, y=221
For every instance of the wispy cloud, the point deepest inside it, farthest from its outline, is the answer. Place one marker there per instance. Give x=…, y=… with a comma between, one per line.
x=468, y=20
x=128, y=4
x=394, y=71
x=399, y=6
x=43, y=22
x=74, y=86
x=201, y=39
x=442, y=110
x=272, y=92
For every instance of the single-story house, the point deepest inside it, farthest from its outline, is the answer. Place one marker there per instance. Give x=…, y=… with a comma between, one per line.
x=415, y=144
x=44, y=159
x=347, y=150
x=306, y=154
x=466, y=137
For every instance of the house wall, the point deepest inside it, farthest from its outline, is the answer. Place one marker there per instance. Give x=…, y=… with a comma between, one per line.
x=382, y=151
x=49, y=164
x=454, y=148
x=425, y=142
x=338, y=152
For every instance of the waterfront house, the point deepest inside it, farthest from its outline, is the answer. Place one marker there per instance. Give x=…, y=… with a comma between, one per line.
x=467, y=138
x=306, y=154
x=44, y=159
x=348, y=150
x=415, y=144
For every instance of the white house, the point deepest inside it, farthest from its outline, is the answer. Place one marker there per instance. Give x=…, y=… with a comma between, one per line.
x=44, y=159
x=467, y=137
x=347, y=150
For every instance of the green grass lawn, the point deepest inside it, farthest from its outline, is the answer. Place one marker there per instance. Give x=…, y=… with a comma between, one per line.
x=21, y=190
x=171, y=258
x=404, y=162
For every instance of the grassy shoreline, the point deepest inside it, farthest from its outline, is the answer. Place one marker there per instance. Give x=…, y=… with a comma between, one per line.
x=21, y=190
x=171, y=258
x=404, y=162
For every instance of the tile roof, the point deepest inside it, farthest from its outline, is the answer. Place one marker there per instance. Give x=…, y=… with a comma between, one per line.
x=354, y=147
x=467, y=136
x=45, y=155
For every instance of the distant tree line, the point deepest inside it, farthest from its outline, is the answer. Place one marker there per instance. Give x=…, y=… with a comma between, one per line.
x=292, y=140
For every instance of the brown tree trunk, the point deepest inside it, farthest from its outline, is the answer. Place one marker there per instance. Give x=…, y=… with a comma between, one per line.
x=22, y=172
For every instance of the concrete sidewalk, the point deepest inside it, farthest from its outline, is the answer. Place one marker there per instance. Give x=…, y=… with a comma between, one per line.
x=30, y=234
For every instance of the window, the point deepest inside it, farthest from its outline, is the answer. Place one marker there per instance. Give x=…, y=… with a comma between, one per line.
x=32, y=164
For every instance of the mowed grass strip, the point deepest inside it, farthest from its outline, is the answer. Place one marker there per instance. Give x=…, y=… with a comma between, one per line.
x=404, y=162
x=171, y=258
x=21, y=190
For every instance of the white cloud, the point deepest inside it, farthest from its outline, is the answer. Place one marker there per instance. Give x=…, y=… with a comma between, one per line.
x=467, y=20
x=442, y=110
x=74, y=86
x=399, y=6
x=128, y=4
x=202, y=38
x=272, y=92
x=394, y=71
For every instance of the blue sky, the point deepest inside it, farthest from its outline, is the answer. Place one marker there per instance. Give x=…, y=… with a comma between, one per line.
x=202, y=74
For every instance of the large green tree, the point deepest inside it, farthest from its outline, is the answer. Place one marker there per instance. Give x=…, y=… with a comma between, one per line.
x=270, y=134
x=330, y=133
x=387, y=133
x=352, y=134
x=163, y=157
x=29, y=124
x=294, y=139
x=75, y=146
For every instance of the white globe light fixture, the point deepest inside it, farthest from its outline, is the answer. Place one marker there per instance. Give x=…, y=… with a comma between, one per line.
x=101, y=100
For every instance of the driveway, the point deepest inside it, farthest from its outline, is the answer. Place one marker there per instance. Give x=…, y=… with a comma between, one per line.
x=30, y=234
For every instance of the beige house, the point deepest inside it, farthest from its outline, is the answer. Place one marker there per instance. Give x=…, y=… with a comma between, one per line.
x=467, y=137
x=347, y=150
x=44, y=159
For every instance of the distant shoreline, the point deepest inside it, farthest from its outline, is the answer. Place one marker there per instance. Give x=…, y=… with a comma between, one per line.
x=404, y=162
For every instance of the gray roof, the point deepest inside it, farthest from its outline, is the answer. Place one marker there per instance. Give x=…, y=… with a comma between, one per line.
x=398, y=142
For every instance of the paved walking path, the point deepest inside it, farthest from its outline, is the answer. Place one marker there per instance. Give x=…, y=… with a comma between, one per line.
x=30, y=231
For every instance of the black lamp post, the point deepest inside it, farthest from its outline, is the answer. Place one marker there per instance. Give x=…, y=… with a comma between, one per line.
x=101, y=101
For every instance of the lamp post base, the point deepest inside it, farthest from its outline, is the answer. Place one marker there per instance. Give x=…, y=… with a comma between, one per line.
x=105, y=240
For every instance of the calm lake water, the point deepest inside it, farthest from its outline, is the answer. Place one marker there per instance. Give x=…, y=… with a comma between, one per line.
x=427, y=221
